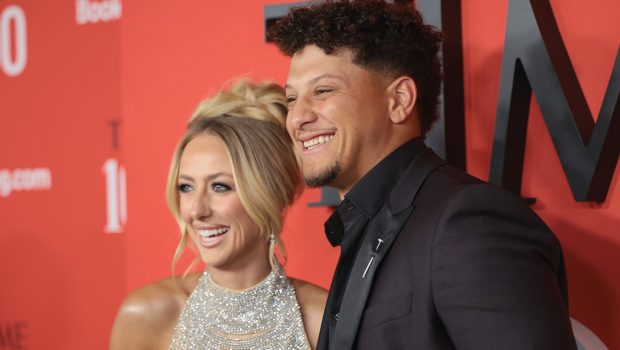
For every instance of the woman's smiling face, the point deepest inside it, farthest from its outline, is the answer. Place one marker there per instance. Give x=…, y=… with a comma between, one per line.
x=222, y=231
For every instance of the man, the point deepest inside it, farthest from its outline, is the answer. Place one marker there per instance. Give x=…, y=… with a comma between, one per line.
x=431, y=258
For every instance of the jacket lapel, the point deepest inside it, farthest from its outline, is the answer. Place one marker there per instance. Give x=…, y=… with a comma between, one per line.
x=381, y=233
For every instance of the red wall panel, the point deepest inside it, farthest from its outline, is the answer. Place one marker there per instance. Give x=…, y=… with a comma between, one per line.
x=144, y=68
x=62, y=276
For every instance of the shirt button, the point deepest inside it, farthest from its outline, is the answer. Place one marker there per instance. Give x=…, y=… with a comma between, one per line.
x=336, y=316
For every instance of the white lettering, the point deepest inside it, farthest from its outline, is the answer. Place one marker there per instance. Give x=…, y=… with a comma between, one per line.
x=17, y=180
x=5, y=183
x=38, y=179
x=97, y=11
x=13, y=63
x=116, y=196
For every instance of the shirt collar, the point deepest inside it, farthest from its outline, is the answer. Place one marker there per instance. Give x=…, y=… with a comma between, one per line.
x=373, y=189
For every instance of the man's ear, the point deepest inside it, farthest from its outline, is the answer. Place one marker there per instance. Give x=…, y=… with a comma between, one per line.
x=403, y=97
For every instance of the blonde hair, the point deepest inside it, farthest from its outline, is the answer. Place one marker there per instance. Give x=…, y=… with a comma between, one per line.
x=250, y=119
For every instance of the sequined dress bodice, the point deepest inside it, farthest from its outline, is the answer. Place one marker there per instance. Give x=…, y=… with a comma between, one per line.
x=266, y=316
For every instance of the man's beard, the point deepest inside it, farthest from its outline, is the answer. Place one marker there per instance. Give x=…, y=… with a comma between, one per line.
x=324, y=177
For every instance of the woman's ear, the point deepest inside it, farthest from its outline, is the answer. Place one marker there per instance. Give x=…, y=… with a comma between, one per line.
x=403, y=97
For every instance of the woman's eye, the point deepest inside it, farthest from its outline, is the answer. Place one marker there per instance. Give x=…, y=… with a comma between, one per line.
x=220, y=187
x=290, y=99
x=184, y=188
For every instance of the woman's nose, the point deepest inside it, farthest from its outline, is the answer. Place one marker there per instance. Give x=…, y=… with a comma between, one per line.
x=201, y=207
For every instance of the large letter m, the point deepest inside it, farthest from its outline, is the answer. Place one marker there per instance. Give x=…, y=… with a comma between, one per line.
x=535, y=59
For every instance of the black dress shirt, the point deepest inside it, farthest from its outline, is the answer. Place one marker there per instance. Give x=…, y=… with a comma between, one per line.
x=347, y=225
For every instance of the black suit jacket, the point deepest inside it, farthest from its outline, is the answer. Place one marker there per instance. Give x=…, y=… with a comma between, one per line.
x=462, y=265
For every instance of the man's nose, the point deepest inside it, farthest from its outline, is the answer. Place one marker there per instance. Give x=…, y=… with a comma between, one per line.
x=300, y=114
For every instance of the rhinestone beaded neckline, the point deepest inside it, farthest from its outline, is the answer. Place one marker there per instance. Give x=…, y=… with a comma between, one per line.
x=265, y=316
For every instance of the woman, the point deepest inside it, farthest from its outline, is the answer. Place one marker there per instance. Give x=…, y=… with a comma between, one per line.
x=233, y=175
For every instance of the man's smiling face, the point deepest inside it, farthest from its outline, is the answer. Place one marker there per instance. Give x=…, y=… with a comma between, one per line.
x=338, y=117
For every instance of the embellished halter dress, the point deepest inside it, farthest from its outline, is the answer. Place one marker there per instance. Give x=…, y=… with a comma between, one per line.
x=266, y=316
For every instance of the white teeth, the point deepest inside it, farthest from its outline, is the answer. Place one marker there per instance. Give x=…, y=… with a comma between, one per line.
x=213, y=232
x=317, y=141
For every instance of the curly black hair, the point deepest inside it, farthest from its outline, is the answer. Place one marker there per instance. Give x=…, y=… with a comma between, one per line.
x=386, y=38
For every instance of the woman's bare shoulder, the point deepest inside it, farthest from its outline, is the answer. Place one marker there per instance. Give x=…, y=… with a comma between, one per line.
x=311, y=294
x=147, y=316
x=157, y=298
x=312, y=299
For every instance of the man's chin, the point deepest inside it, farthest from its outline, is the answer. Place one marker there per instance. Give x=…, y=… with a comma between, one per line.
x=323, y=177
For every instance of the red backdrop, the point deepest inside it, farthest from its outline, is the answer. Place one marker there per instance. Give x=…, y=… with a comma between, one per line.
x=91, y=89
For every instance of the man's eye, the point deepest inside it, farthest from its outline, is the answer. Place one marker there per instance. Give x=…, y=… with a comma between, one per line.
x=184, y=188
x=290, y=99
x=320, y=91
x=220, y=187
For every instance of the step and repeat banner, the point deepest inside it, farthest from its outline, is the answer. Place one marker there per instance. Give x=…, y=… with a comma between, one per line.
x=94, y=95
